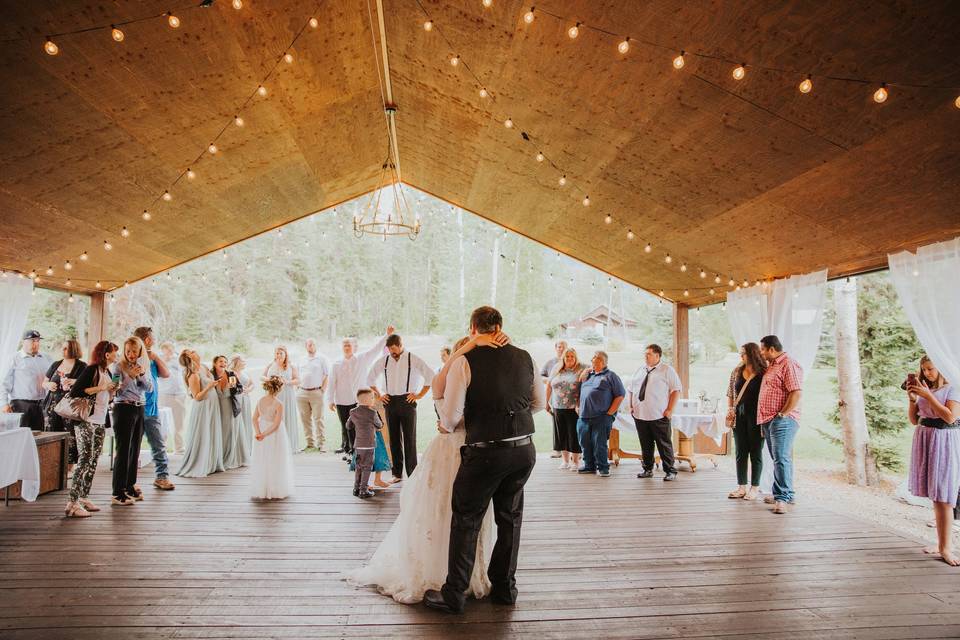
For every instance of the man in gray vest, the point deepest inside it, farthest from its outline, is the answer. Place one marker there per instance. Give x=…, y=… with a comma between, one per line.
x=495, y=391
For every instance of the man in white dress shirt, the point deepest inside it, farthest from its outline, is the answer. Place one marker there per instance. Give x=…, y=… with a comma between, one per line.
x=653, y=395
x=314, y=372
x=22, y=388
x=406, y=379
x=347, y=376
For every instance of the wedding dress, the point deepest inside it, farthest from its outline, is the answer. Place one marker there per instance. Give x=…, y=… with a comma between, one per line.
x=413, y=556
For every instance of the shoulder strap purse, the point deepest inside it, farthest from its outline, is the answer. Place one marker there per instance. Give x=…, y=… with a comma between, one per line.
x=732, y=420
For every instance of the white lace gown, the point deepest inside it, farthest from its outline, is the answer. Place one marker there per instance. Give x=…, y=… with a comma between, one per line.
x=413, y=556
x=271, y=470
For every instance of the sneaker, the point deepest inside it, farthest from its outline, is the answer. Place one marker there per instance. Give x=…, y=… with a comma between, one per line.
x=586, y=470
x=135, y=494
x=123, y=501
x=670, y=476
x=164, y=484
x=603, y=474
x=645, y=474
x=363, y=495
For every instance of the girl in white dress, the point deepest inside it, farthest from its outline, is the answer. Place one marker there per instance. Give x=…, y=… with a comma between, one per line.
x=413, y=556
x=281, y=368
x=271, y=475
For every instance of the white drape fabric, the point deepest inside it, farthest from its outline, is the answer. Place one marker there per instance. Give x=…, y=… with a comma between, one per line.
x=15, y=300
x=928, y=285
x=792, y=310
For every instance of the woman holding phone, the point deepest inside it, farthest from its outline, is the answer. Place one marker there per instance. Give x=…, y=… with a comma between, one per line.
x=228, y=390
x=935, y=457
x=133, y=382
x=205, y=434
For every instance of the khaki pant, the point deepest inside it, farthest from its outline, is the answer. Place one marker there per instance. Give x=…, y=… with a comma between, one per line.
x=177, y=405
x=310, y=404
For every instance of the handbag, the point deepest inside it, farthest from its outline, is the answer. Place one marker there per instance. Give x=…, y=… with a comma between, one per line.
x=70, y=408
x=730, y=421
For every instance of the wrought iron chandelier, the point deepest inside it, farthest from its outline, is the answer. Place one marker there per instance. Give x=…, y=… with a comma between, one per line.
x=390, y=216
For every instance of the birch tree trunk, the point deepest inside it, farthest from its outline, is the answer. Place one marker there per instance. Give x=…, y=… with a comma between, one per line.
x=853, y=419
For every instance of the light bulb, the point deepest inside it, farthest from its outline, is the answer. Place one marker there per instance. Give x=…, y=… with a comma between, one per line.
x=212, y=148
x=116, y=33
x=528, y=16
x=146, y=215
x=67, y=265
x=739, y=72
x=703, y=274
x=238, y=4
x=686, y=293
x=70, y=298
x=746, y=283
x=428, y=25
x=51, y=47
x=107, y=246
x=262, y=90
x=167, y=196
x=956, y=102
x=454, y=61
x=806, y=86
x=33, y=274
x=683, y=267
x=624, y=46
x=173, y=21
x=487, y=3
x=288, y=57
x=731, y=282
x=608, y=219
x=98, y=285
x=574, y=31
x=648, y=248
x=508, y=123
x=661, y=293
x=125, y=232
x=191, y=174
x=237, y=120
x=169, y=277
x=630, y=235
x=668, y=259
x=712, y=291
x=539, y=156
x=757, y=283
x=586, y=201
x=314, y=23
x=49, y=271
x=678, y=62
x=483, y=93
x=562, y=180
x=880, y=95
x=84, y=256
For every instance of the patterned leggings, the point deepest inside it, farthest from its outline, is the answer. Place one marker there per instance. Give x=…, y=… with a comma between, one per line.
x=89, y=445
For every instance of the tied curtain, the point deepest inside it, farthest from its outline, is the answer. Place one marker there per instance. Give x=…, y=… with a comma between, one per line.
x=16, y=294
x=928, y=286
x=792, y=310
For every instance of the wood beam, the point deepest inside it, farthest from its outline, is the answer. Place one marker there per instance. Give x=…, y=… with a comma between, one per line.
x=681, y=345
x=97, y=327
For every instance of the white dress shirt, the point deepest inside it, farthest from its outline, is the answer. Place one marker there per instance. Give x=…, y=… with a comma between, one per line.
x=406, y=374
x=347, y=374
x=313, y=372
x=24, y=379
x=455, y=395
x=662, y=381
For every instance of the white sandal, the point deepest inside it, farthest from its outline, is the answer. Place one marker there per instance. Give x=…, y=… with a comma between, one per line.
x=736, y=495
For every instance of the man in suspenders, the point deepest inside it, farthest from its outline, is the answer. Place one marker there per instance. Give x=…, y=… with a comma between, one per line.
x=401, y=373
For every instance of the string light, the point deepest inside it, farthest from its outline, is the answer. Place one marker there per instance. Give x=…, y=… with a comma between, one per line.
x=716, y=279
x=574, y=31
x=483, y=92
x=454, y=61
x=528, y=16
x=806, y=86
x=238, y=4
x=116, y=33
x=739, y=72
x=586, y=201
x=686, y=293
x=212, y=148
x=563, y=179
x=33, y=274
x=84, y=257
x=730, y=282
x=67, y=265
x=746, y=283
x=98, y=285
x=956, y=102
x=169, y=277
x=712, y=291
x=678, y=62
x=624, y=46
x=146, y=215
x=660, y=293
x=703, y=274
x=70, y=298
x=668, y=259
x=630, y=235
x=648, y=248
x=49, y=271
x=314, y=23
x=508, y=123
x=539, y=157
x=428, y=25
x=288, y=57
x=262, y=91
x=51, y=47
x=880, y=95
x=487, y=4
x=107, y=246
x=683, y=267
x=125, y=232
x=173, y=21
x=167, y=196
x=608, y=219
x=69, y=282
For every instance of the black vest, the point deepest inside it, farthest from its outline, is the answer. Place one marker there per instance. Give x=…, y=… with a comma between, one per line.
x=499, y=395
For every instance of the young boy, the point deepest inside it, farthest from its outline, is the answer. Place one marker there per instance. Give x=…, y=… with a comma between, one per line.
x=364, y=421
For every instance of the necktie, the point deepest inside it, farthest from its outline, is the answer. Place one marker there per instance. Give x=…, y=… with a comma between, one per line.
x=643, y=387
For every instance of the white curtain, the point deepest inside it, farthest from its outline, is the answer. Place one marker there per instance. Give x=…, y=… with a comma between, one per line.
x=15, y=294
x=928, y=285
x=792, y=310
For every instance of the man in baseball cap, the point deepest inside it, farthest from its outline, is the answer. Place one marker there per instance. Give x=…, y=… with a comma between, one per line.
x=22, y=387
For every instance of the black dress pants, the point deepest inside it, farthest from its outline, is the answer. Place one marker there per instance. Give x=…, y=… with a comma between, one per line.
x=32, y=417
x=402, y=427
x=346, y=437
x=487, y=474
x=128, y=433
x=659, y=432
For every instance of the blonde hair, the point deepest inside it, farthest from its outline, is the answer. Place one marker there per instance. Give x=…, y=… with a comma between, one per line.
x=286, y=356
x=563, y=361
x=188, y=366
x=142, y=359
x=273, y=385
x=235, y=359
x=932, y=384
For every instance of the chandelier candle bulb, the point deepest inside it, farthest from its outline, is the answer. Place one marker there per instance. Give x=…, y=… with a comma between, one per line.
x=237, y=120
x=703, y=274
x=716, y=279
x=487, y=4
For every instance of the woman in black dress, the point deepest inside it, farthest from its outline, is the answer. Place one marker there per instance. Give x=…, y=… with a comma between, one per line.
x=59, y=380
x=743, y=396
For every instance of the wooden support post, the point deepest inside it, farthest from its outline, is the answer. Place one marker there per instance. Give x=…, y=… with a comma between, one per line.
x=97, y=327
x=681, y=362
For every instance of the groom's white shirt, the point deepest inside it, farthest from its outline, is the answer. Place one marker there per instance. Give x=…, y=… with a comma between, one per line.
x=455, y=394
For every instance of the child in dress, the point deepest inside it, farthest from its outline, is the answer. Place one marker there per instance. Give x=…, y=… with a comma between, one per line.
x=272, y=468
x=364, y=421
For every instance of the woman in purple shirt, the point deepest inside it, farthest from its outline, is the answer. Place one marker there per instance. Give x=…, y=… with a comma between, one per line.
x=935, y=458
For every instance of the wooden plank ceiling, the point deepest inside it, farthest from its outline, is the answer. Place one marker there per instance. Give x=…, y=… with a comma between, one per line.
x=747, y=180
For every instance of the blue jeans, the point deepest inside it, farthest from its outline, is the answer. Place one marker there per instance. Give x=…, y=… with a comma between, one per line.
x=151, y=428
x=593, y=434
x=780, y=433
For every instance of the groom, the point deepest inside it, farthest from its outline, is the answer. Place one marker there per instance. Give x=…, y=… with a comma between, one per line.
x=495, y=392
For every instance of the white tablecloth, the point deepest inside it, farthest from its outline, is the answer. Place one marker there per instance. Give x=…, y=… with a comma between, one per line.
x=709, y=424
x=19, y=461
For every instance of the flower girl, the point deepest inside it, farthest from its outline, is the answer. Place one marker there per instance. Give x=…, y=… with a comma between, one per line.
x=272, y=467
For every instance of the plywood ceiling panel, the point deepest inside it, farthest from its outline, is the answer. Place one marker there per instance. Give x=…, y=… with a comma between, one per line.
x=748, y=180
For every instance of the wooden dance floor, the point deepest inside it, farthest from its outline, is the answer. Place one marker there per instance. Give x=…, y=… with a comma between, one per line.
x=615, y=558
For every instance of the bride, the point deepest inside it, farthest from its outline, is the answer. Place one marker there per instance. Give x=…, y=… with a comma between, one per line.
x=413, y=556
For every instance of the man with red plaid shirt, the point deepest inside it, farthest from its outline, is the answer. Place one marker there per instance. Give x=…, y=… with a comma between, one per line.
x=778, y=412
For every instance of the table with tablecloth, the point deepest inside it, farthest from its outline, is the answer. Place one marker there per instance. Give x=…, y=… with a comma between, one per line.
x=19, y=461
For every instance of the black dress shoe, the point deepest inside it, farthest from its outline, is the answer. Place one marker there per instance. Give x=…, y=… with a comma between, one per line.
x=501, y=598
x=434, y=600
x=645, y=474
x=670, y=476
x=340, y=450
x=366, y=493
x=356, y=493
